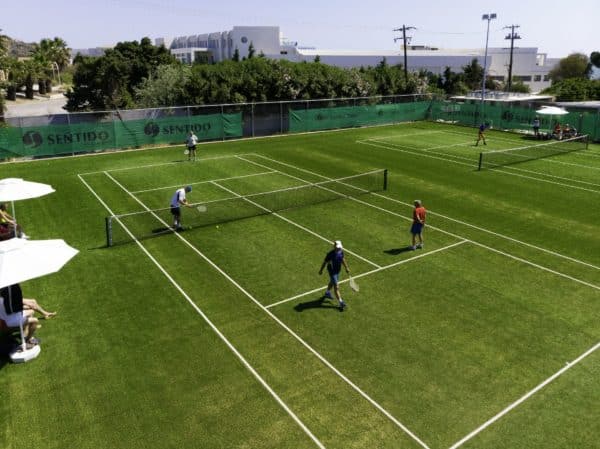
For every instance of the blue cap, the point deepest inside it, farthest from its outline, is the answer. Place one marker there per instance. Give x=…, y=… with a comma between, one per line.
x=188, y=188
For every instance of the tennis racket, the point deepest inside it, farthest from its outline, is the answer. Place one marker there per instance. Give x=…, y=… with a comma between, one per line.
x=353, y=284
x=186, y=152
x=201, y=208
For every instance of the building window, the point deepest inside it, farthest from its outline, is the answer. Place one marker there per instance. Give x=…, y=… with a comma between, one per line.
x=244, y=39
x=283, y=52
x=522, y=78
x=546, y=77
x=537, y=77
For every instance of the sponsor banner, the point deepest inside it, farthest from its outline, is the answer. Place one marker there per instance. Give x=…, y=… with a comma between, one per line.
x=90, y=137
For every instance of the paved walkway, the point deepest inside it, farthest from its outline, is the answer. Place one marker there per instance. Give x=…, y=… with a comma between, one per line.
x=36, y=107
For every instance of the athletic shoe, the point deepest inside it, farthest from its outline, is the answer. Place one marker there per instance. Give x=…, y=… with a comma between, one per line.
x=24, y=236
x=412, y=248
x=420, y=245
x=342, y=306
x=328, y=295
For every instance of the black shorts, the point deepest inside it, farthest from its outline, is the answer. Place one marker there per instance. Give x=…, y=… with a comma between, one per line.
x=192, y=148
x=176, y=211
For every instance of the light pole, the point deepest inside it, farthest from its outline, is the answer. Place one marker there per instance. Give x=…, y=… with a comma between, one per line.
x=489, y=18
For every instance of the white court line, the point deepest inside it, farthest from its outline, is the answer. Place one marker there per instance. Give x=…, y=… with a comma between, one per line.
x=293, y=223
x=154, y=165
x=494, y=250
x=358, y=276
x=224, y=339
x=501, y=169
x=204, y=182
x=291, y=332
x=577, y=153
x=547, y=251
x=504, y=170
x=541, y=267
x=526, y=396
x=439, y=147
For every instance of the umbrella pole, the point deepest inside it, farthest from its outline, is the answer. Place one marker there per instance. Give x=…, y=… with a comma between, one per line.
x=14, y=227
x=23, y=344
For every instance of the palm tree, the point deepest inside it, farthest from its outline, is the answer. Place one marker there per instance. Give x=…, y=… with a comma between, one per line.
x=33, y=71
x=52, y=54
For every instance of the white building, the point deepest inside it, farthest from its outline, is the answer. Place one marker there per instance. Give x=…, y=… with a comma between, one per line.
x=529, y=66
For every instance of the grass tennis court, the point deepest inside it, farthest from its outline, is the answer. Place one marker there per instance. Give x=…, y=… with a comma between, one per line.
x=218, y=336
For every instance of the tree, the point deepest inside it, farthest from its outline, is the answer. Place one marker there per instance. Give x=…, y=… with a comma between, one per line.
x=109, y=82
x=33, y=71
x=576, y=65
x=473, y=75
x=453, y=83
x=167, y=86
x=251, y=50
x=520, y=86
x=236, y=55
x=595, y=59
x=575, y=89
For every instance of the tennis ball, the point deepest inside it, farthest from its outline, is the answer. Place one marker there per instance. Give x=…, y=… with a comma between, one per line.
x=217, y=226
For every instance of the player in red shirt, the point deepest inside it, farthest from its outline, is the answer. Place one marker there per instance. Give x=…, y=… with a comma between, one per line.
x=418, y=224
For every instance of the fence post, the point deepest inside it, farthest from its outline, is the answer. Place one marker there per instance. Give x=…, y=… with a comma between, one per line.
x=252, y=117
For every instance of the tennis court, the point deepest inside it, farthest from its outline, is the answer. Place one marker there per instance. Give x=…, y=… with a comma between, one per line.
x=219, y=336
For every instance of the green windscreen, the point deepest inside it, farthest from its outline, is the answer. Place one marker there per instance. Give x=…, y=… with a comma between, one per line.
x=350, y=116
x=112, y=134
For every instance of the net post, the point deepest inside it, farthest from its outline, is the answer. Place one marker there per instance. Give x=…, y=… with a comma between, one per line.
x=385, y=179
x=108, y=226
x=480, y=161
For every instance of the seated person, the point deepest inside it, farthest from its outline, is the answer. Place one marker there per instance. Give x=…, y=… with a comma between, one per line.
x=8, y=225
x=32, y=304
x=12, y=313
x=558, y=131
x=569, y=131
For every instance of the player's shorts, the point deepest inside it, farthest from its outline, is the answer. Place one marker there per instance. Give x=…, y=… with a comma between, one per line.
x=175, y=211
x=192, y=148
x=416, y=228
x=334, y=278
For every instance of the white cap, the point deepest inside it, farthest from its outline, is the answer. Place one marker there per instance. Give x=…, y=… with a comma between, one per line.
x=338, y=244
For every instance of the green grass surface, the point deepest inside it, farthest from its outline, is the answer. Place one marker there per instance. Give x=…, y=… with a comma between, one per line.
x=217, y=337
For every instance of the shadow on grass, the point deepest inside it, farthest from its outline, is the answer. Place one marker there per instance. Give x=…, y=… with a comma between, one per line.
x=318, y=303
x=7, y=345
x=396, y=251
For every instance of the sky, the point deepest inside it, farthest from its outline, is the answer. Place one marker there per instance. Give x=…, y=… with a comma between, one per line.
x=552, y=27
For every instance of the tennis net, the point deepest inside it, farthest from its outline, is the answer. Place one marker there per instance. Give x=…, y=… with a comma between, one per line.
x=498, y=158
x=148, y=223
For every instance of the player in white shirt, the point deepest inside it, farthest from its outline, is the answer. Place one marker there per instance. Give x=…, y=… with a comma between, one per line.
x=177, y=201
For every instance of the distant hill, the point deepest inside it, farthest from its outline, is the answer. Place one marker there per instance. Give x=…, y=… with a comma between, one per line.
x=19, y=49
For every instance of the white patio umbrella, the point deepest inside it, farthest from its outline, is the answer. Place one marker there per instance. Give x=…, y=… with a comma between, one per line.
x=551, y=110
x=15, y=189
x=21, y=260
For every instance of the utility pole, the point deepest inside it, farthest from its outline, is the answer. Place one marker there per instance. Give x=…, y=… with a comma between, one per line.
x=512, y=36
x=405, y=39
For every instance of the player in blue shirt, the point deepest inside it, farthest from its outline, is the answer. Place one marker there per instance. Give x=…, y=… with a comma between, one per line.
x=334, y=261
x=481, y=136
